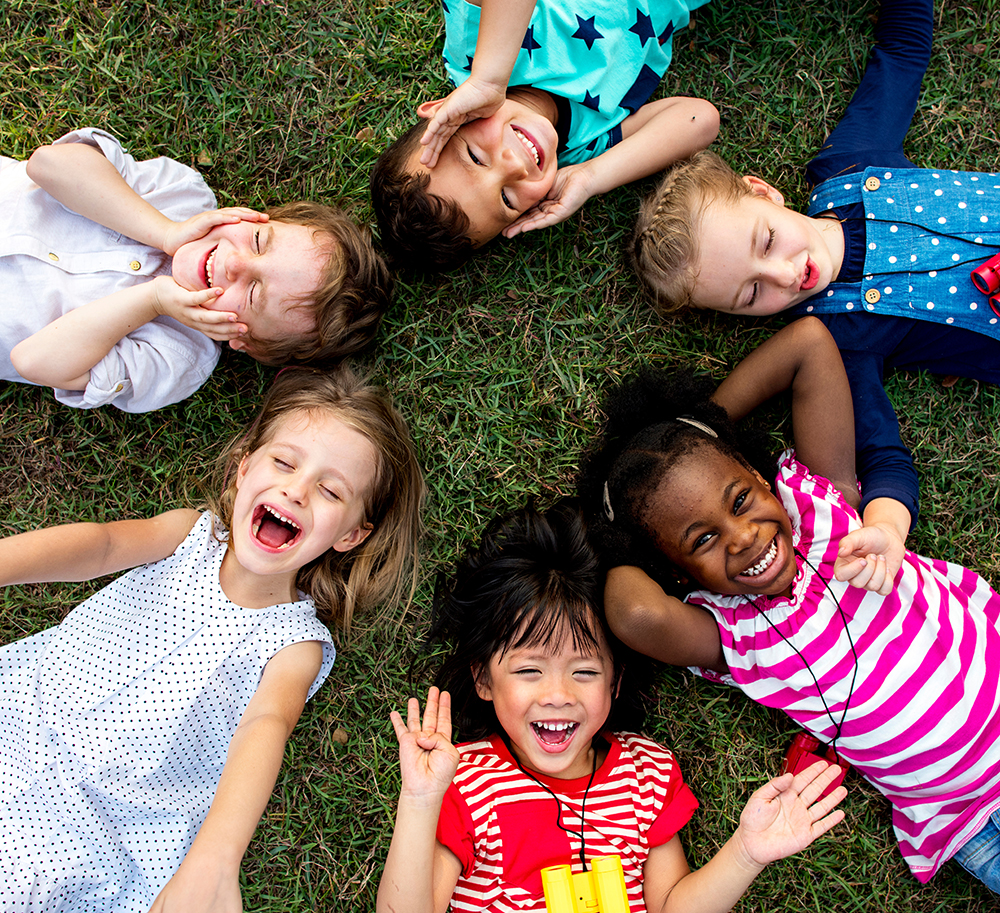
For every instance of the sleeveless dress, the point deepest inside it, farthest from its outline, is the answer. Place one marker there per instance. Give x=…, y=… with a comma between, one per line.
x=114, y=728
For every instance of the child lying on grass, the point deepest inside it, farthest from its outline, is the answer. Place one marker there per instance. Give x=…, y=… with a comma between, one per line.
x=494, y=158
x=120, y=277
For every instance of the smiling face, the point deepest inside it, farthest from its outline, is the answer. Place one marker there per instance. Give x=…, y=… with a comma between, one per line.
x=756, y=257
x=265, y=270
x=551, y=700
x=300, y=494
x=719, y=523
x=496, y=167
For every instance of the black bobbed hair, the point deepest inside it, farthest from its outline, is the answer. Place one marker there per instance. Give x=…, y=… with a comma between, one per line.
x=533, y=579
x=648, y=430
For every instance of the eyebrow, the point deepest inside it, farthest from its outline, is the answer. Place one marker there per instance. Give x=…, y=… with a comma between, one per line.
x=328, y=471
x=727, y=493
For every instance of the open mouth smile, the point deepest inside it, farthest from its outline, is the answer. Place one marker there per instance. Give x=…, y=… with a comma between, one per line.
x=274, y=530
x=529, y=144
x=554, y=736
x=755, y=570
x=207, y=270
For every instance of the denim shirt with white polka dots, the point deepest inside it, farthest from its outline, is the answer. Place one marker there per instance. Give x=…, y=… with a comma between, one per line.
x=925, y=231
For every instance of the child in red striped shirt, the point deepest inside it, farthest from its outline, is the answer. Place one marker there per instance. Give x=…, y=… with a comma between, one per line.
x=542, y=686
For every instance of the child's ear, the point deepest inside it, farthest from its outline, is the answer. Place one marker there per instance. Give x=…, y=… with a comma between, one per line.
x=354, y=538
x=482, y=679
x=241, y=470
x=427, y=109
x=762, y=480
x=760, y=187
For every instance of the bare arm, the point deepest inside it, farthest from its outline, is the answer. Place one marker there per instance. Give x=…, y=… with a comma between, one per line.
x=501, y=30
x=871, y=557
x=80, y=338
x=658, y=134
x=804, y=358
x=208, y=878
x=648, y=620
x=420, y=874
x=83, y=551
x=781, y=818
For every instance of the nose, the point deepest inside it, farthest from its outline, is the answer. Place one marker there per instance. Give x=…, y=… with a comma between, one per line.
x=236, y=264
x=557, y=692
x=512, y=164
x=782, y=273
x=743, y=536
x=296, y=490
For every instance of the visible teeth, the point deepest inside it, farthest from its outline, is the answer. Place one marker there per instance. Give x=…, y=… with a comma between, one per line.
x=528, y=144
x=555, y=727
x=208, y=267
x=281, y=517
x=764, y=562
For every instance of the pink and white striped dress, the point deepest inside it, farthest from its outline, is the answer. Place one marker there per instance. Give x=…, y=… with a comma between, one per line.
x=502, y=825
x=923, y=724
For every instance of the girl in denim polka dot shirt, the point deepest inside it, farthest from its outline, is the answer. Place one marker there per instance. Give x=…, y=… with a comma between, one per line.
x=882, y=258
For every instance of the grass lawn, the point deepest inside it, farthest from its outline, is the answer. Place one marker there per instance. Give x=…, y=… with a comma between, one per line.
x=498, y=367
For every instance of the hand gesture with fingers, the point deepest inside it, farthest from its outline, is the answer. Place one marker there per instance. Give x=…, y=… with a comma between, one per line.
x=180, y=233
x=427, y=758
x=870, y=558
x=470, y=101
x=786, y=814
x=189, y=308
x=572, y=188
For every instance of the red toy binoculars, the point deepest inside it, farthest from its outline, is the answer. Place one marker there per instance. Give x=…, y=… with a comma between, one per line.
x=986, y=278
x=805, y=751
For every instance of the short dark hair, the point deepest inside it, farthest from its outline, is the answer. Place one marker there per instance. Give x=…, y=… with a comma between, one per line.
x=352, y=297
x=533, y=579
x=647, y=432
x=420, y=231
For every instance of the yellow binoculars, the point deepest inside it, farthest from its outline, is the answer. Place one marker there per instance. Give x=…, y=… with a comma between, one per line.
x=601, y=890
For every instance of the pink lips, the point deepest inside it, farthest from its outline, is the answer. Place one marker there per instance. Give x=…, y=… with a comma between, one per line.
x=536, y=144
x=811, y=276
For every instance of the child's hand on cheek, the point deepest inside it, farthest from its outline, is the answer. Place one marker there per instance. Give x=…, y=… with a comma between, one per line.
x=427, y=758
x=786, y=814
x=178, y=234
x=472, y=100
x=573, y=186
x=189, y=308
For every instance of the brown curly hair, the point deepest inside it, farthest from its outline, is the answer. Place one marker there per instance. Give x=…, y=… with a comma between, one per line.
x=665, y=243
x=350, y=301
x=420, y=231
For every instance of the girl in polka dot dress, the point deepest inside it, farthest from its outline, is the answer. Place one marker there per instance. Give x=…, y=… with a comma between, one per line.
x=882, y=258
x=141, y=738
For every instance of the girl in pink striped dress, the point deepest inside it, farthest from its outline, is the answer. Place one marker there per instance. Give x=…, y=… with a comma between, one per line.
x=542, y=687
x=797, y=600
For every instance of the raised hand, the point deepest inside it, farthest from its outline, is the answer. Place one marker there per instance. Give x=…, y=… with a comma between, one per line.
x=870, y=558
x=786, y=814
x=178, y=234
x=427, y=758
x=470, y=101
x=572, y=188
x=189, y=308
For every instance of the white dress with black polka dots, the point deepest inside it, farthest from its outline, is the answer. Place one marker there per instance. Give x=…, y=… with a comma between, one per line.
x=114, y=728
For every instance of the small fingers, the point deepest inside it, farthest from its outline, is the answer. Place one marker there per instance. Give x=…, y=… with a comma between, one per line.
x=413, y=715
x=431, y=710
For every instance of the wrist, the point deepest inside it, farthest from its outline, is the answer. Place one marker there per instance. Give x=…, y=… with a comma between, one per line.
x=741, y=855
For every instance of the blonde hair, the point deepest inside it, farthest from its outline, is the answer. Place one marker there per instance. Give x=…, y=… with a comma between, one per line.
x=384, y=567
x=665, y=243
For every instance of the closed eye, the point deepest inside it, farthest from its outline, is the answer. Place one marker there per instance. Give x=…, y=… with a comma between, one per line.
x=770, y=240
x=281, y=464
x=330, y=493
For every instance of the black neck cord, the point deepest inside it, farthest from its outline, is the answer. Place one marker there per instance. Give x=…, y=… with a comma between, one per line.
x=850, y=693
x=903, y=272
x=583, y=807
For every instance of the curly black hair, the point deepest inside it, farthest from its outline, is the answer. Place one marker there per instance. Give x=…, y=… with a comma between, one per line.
x=533, y=579
x=420, y=231
x=648, y=429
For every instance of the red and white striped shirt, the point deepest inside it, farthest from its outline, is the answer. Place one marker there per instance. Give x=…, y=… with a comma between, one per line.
x=923, y=723
x=503, y=826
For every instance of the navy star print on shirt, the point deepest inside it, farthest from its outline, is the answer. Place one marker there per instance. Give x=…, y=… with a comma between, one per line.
x=587, y=31
x=529, y=44
x=643, y=27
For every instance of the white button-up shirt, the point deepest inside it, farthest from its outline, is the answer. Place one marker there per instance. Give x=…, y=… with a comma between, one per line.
x=53, y=260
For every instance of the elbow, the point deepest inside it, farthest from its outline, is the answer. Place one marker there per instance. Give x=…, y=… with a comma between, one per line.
x=44, y=162
x=27, y=363
x=707, y=118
